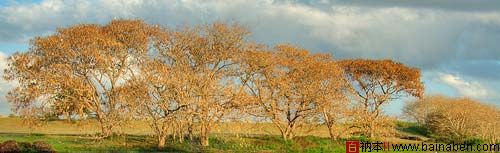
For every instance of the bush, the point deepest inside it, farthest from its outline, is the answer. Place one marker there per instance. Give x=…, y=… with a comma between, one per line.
x=10, y=146
x=445, y=139
x=360, y=138
x=474, y=141
x=12, y=116
x=454, y=119
x=411, y=137
x=41, y=146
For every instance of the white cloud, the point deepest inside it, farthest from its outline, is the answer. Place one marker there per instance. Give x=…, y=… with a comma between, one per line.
x=5, y=86
x=471, y=89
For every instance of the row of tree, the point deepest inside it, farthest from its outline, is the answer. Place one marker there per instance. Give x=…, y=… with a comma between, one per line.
x=192, y=78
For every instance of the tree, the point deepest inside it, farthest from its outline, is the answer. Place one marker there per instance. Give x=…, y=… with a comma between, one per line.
x=288, y=84
x=376, y=82
x=155, y=95
x=202, y=63
x=333, y=103
x=418, y=110
x=335, y=113
x=80, y=70
x=457, y=119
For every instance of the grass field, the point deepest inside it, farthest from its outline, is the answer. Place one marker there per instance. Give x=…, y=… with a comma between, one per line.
x=247, y=137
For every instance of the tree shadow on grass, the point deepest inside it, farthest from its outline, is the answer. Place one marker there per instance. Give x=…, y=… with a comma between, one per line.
x=412, y=128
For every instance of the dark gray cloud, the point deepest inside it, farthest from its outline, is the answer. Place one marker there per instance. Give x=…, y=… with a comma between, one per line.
x=399, y=30
x=485, y=70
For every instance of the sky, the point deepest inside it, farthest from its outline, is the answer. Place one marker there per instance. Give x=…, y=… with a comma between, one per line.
x=455, y=43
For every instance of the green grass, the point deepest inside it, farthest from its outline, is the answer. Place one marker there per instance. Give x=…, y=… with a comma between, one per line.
x=141, y=143
x=227, y=137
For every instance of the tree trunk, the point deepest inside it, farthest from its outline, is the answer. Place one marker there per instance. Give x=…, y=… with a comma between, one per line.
x=204, y=136
x=181, y=135
x=333, y=136
x=283, y=135
x=161, y=141
x=106, y=127
x=106, y=130
x=190, y=132
x=174, y=134
x=290, y=135
x=371, y=130
x=286, y=134
x=204, y=140
x=68, y=117
x=331, y=126
x=190, y=128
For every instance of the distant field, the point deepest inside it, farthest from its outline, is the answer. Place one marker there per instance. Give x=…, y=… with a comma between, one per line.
x=230, y=137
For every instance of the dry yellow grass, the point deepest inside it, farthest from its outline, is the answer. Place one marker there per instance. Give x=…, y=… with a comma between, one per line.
x=15, y=125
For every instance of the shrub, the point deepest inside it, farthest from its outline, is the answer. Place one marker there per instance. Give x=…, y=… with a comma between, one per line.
x=455, y=119
x=41, y=146
x=26, y=147
x=360, y=138
x=10, y=146
x=474, y=141
x=12, y=116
